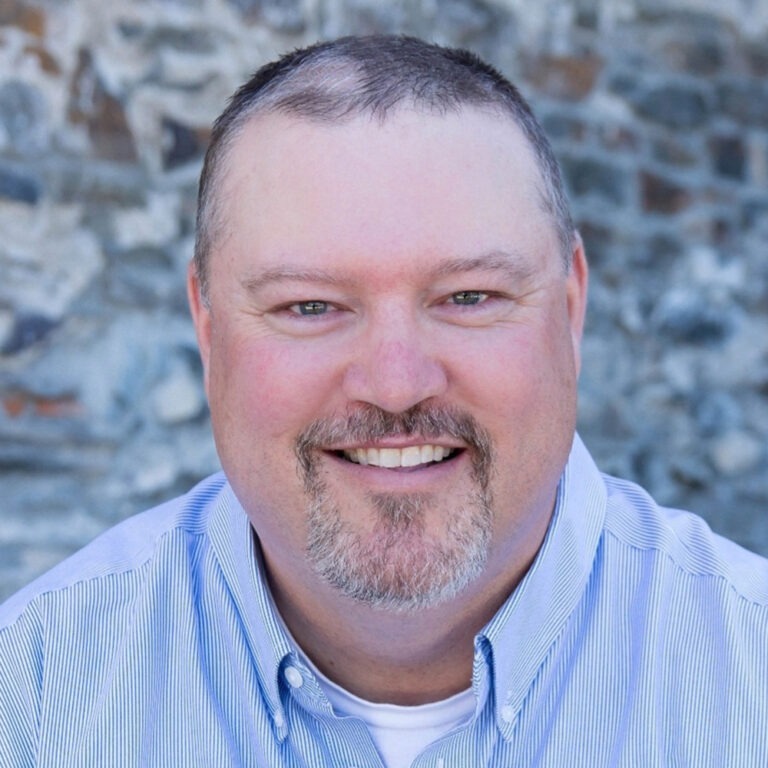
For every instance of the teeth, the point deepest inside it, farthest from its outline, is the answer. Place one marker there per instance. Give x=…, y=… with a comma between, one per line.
x=410, y=456
x=391, y=458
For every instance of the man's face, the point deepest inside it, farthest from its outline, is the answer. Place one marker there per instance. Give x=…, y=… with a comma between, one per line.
x=391, y=351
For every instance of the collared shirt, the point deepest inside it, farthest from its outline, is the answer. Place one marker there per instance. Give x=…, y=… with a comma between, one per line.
x=637, y=638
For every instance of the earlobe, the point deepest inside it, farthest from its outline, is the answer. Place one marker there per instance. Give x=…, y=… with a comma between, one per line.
x=578, y=279
x=201, y=317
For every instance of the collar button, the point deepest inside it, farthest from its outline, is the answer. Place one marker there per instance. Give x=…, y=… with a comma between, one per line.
x=294, y=678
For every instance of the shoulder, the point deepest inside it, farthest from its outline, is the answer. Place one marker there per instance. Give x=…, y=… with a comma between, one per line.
x=681, y=544
x=122, y=550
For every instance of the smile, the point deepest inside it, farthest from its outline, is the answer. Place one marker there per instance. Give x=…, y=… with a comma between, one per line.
x=392, y=458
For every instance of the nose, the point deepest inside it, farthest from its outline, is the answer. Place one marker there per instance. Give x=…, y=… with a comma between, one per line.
x=394, y=365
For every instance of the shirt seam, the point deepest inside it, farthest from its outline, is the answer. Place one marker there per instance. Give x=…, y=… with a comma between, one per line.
x=682, y=569
x=38, y=599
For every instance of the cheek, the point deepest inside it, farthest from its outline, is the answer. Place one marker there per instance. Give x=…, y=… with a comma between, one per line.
x=264, y=388
x=523, y=388
x=506, y=370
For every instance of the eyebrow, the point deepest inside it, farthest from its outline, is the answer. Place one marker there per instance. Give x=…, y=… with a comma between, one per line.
x=291, y=274
x=512, y=264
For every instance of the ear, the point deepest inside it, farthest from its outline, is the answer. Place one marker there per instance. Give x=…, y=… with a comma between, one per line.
x=201, y=317
x=576, y=296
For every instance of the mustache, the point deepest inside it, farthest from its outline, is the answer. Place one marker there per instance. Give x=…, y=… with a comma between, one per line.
x=368, y=423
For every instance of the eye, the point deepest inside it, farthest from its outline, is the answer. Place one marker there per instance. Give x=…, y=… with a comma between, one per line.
x=468, y=298
x=309, y=308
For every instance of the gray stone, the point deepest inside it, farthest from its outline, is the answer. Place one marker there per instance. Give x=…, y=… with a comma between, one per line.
x=179, y=397
x=182, y=38
x=596, y=178
x=464, y=21
x=154, y=225
x=142, y=277
x=676, y=150
x=736, y=452
x=27, y=330
x=282, y=15
x=561, y=126
x=716, y=412
x=745, y=101
x=23, y=118
x=674, y=106
x=757, y=55
x=48, y=260
x=728, y=156
x=181, y=144
x=20, y=187
x=684, y=318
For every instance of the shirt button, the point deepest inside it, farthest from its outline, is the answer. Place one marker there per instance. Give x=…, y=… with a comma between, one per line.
x=507, y=714
x=294, y=678
x=279, y=720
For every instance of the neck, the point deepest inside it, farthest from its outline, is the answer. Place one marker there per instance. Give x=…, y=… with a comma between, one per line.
x=405, y=658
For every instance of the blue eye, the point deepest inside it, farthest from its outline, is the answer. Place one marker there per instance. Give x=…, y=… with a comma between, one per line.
x=311, y=307
x=468, y=298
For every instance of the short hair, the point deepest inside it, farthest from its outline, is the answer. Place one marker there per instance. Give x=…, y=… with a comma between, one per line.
x=334, y=81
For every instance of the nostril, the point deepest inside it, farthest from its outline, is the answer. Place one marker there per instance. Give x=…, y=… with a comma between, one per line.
x=394, y=379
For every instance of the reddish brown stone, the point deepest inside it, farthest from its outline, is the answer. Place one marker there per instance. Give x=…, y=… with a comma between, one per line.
x=661, y=195
x=565, y=77
x=56, y=407
x=47, y=62
x=17, y=403
x=23, y=16
x=669, y=150
x=14, y=405
x=101, y=112
x=616, y=137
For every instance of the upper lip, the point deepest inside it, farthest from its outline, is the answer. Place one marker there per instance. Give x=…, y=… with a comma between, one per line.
x=404, y=441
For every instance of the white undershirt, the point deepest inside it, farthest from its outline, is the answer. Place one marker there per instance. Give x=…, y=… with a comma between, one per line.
x=400, y=733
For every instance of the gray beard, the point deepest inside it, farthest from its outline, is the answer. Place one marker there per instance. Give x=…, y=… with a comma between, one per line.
x=398, y=567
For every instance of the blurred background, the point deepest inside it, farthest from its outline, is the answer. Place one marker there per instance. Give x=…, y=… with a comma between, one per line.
x=658, y=110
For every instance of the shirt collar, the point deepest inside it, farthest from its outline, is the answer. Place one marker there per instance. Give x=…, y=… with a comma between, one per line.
x=526, y=626
x=233, y=540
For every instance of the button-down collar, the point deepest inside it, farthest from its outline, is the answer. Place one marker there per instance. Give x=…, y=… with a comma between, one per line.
x=535, y=614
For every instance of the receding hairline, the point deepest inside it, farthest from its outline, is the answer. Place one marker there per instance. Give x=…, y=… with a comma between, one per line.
x=260, y=116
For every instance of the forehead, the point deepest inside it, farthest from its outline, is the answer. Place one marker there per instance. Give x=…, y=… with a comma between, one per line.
x=463, y=182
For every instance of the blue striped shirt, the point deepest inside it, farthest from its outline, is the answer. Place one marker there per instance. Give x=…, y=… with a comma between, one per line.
x=637, y=638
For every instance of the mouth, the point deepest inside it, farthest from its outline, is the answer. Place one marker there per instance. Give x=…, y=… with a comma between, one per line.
x=396, y=458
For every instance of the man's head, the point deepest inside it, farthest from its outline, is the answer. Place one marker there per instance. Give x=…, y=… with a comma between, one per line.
x=373, y=76
x=389, y=335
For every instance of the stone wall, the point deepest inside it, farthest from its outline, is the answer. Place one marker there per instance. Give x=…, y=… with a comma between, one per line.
x=658, y=110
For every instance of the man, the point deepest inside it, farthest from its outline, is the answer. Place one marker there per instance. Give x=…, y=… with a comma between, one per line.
x=410, y=558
